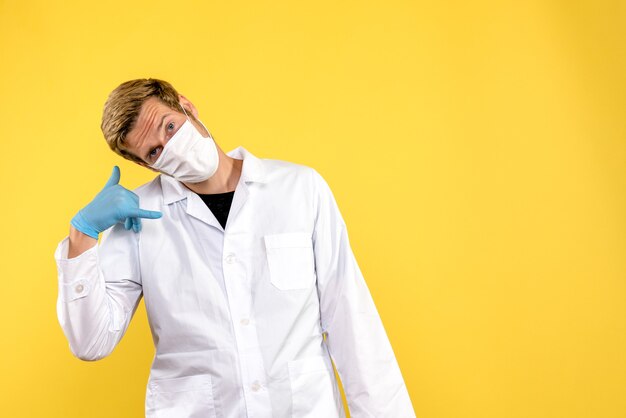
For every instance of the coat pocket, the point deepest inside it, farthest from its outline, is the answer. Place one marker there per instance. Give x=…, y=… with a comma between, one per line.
x=181, y=397
x=314, y=391
x=290, y=260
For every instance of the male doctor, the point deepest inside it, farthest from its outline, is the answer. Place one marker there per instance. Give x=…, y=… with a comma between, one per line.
x=244, y=265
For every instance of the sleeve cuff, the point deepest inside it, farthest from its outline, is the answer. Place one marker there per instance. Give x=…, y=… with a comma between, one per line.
x=77, y=275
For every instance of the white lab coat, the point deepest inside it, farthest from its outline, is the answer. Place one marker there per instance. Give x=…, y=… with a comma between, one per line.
x=237, y=315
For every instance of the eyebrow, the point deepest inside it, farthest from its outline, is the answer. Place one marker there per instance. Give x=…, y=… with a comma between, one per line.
x=162, y=119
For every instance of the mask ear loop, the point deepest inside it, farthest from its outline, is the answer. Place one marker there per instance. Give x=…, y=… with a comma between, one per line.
x=181, y=106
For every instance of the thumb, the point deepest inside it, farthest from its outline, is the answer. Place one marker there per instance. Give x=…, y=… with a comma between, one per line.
x=115, y=177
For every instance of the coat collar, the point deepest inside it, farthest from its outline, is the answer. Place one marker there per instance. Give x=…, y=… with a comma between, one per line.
x=252, y=170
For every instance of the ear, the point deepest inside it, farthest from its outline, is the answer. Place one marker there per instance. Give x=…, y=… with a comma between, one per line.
x=188, y=105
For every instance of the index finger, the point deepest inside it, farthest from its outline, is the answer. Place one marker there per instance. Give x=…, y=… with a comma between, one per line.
x=143, y=213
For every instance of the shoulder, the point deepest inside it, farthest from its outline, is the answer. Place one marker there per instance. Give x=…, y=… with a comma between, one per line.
x=277, y=169
x=150, y=193
x=298, y=178
x=287, y=171
x=150, y=188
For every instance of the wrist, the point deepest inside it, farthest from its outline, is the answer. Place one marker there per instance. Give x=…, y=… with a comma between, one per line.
x=81, y=225
x=79, y=242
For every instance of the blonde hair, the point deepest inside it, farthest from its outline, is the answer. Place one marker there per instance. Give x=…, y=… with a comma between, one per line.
x=123, y=106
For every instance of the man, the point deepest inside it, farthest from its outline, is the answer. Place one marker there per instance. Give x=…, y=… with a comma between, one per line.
x=244, y=265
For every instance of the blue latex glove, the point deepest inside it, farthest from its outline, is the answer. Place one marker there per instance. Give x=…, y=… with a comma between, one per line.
x=113, y=204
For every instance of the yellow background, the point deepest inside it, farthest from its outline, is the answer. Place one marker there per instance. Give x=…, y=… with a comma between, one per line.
x=477, y=151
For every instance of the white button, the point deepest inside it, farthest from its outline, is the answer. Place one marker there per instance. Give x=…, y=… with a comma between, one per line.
x=230, y=258
x=79, y=288
x=256, y=385
x=244, y=321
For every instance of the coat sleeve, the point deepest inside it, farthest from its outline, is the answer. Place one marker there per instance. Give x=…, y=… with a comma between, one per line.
x=99, y=292
x=355, y=336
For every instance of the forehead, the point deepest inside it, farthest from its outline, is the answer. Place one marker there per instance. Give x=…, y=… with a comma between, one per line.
x=147, y=119
x=150, y=108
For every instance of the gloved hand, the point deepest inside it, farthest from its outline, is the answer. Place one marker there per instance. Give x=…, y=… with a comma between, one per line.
x=113, y=204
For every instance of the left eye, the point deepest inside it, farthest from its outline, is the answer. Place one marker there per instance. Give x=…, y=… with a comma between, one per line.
x=170, y=126
x=153, y=152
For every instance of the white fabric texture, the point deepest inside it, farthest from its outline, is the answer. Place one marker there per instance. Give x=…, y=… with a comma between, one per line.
x=237, y=314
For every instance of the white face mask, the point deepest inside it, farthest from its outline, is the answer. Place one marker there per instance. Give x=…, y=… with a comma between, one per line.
x=188, y=156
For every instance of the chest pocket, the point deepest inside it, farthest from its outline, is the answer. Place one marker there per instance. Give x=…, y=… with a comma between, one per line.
x=290, y=260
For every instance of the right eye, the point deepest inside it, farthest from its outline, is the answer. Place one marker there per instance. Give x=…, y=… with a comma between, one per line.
x=154, y=152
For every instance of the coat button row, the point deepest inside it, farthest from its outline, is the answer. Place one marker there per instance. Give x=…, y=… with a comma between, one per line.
x=230, y=258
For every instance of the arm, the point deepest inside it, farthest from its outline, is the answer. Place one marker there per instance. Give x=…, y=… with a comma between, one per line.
x=99, y=291
x=100, y=286
x=356, y=338
x=78, y=242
